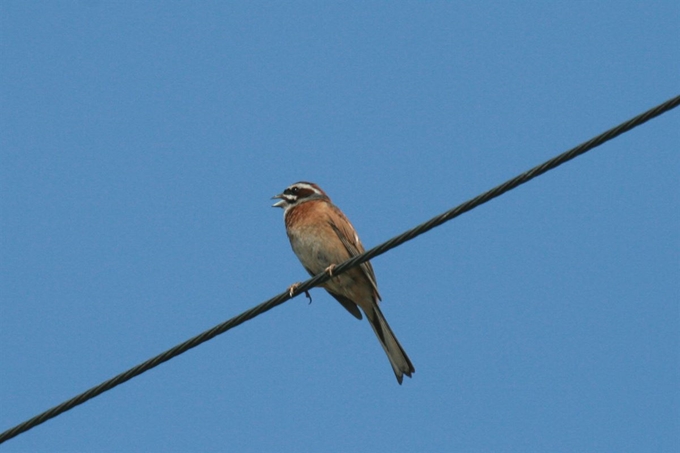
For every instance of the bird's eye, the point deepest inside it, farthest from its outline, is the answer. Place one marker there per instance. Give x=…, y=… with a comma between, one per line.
x=294, y=190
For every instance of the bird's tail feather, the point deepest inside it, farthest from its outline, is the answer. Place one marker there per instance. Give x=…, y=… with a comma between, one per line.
x=400, y=362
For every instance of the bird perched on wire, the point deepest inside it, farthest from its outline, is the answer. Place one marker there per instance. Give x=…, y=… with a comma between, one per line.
x=321, y=237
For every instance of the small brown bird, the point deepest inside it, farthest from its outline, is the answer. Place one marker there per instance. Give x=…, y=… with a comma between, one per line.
x=321, y=237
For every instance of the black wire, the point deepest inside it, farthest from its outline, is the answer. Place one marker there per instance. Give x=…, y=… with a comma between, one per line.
x=318, y=279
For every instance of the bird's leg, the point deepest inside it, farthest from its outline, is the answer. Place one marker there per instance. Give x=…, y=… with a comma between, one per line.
x=293, y=287
x=329, y=269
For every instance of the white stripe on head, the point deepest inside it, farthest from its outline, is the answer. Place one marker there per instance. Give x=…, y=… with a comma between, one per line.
x=297, y=193
x=307, y=185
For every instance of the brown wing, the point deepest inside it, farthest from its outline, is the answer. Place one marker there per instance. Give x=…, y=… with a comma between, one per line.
x=347, y=235
x=349, y=305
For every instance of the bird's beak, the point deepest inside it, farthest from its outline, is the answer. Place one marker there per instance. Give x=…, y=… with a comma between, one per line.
x=280, y=203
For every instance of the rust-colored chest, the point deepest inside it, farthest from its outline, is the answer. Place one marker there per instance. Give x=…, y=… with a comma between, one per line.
x=311, y=215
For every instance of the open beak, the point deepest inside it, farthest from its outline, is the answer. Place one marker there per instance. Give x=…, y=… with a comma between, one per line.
x=280, y=203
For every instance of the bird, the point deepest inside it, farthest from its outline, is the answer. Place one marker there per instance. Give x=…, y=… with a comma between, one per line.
x=321, y=237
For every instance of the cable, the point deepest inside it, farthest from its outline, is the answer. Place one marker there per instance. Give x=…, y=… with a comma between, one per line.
x=321, y=278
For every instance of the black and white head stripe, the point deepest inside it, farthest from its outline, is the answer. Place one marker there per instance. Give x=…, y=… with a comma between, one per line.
x=298, y=193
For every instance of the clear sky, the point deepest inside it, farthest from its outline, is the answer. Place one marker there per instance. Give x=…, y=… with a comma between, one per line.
x=141, y=142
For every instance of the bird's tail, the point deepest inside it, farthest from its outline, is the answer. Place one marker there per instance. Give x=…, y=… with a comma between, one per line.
x=400, y=362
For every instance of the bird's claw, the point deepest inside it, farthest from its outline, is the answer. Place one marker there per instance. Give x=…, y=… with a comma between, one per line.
x=329, y=269
x=292, y=288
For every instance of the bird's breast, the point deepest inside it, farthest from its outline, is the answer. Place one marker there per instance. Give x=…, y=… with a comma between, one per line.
x=313, y=240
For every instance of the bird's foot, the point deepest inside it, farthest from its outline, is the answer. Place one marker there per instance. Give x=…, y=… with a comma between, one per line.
x=293, y=287
x=329, y=269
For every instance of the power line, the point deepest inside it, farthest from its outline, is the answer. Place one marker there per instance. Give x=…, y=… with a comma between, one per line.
x=321, y=278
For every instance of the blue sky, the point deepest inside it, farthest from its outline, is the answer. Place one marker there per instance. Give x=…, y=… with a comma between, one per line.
x=140, y=144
